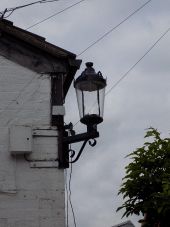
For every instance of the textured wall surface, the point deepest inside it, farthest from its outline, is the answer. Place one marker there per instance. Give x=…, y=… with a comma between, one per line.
x=29, y=197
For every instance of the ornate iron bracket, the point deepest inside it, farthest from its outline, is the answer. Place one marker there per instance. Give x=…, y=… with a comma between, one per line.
x=81, y=150
x=89, y=136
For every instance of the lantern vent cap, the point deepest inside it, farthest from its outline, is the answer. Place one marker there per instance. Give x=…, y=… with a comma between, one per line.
x=89, y=76
x=89, y=64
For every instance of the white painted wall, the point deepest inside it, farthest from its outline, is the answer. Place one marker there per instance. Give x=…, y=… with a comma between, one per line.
x=29, y=197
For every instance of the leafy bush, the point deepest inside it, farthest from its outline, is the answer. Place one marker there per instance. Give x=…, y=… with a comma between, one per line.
x=146, y=186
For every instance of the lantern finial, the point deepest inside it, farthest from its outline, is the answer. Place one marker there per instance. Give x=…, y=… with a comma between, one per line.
x=89, y=64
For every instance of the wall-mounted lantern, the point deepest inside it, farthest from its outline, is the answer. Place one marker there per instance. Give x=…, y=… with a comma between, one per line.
x=90, y=90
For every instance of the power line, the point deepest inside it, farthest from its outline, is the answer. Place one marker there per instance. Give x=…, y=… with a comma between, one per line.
x=66, y=187
x=114, y=28
x=134, y=65
x=70, y=193
x=11, y=10
x=55, y=14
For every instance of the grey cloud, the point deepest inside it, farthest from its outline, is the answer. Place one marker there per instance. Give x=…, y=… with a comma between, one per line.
x=141, y=100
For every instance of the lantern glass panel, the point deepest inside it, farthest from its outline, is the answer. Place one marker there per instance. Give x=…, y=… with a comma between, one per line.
x=90, y=97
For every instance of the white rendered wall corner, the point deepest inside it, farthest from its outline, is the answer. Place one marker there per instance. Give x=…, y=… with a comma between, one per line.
x=30, y=196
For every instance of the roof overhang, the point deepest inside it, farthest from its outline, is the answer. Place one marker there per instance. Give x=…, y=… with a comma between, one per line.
x=34, y=52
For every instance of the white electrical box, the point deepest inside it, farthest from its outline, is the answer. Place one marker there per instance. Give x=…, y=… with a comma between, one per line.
x=20, y=140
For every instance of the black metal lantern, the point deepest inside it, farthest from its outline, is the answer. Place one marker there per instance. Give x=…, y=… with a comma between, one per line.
x=90, y=90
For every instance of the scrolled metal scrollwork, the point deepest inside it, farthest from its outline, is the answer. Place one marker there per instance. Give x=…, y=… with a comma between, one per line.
x=79, y=153
x=71, y=153
x=92, y=144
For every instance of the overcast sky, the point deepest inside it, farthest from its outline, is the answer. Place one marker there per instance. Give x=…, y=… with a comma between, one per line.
x=141, y=100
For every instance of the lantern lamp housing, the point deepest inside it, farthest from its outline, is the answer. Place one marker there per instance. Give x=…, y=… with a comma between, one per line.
x=90, y=91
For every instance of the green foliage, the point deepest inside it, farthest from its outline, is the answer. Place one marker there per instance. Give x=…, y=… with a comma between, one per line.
x=146, y=186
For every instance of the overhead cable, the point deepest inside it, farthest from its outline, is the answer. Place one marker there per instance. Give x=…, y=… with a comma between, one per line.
x=134, y=65
x=66, y=196
x=55, y=14
x=11, y=10
x=70, y=194
x=114, y=28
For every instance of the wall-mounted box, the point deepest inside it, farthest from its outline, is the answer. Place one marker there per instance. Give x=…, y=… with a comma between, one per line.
x=20, y=140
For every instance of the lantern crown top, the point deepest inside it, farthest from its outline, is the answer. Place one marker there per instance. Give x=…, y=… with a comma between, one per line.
x=89, y=70
x=90, y=76
x=90, y=90
x=89, y=64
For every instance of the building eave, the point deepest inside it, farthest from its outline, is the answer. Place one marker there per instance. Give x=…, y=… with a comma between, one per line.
x=34, y=40
x=34, y=52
